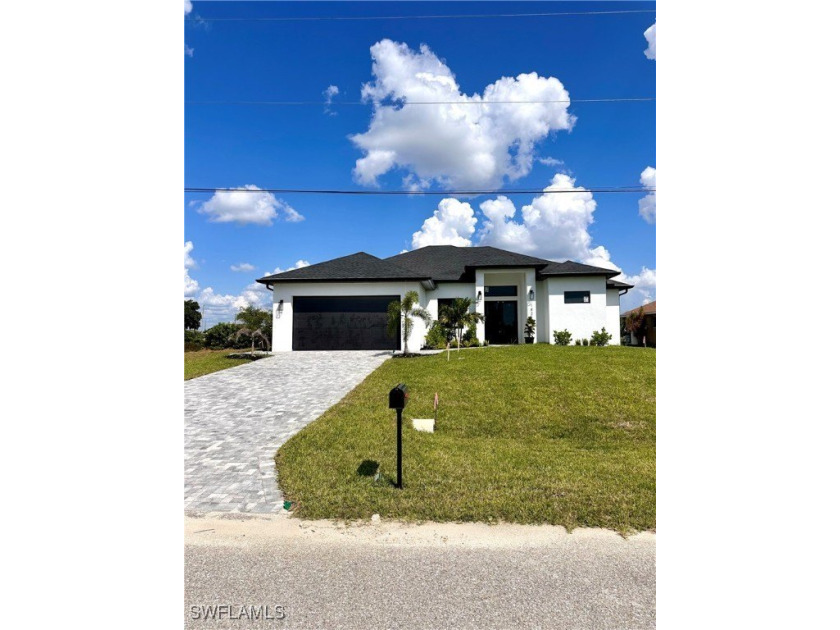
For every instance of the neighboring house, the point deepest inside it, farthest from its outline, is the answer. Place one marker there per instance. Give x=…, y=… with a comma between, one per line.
x=342, y=304
x=649, y=335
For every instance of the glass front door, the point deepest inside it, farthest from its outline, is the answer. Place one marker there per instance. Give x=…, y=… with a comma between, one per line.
x=501, y=321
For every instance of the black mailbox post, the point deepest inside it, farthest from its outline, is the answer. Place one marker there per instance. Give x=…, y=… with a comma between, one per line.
x=397, y=399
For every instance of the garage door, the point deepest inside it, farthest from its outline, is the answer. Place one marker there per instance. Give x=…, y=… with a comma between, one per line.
x=342, y=323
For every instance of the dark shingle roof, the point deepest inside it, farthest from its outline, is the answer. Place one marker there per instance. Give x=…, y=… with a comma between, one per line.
x=618, y=284
x=648, y=309
x=441, y=263
x=360, y=266
x=448, y=263
x=571, y=268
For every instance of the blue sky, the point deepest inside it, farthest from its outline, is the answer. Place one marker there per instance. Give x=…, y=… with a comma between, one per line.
x=589, y=144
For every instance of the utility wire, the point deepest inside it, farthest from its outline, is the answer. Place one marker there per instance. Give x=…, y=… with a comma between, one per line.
x=355, y=18
x=324, y=103
x=510, y=191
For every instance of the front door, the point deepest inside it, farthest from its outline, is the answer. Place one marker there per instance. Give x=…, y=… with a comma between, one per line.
x=501, y=321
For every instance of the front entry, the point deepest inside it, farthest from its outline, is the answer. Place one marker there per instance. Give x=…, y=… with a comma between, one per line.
x=501, y=321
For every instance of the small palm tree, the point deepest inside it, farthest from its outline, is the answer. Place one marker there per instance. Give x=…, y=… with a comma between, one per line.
x=253, y=321
x=401, y=314
x=458, y=316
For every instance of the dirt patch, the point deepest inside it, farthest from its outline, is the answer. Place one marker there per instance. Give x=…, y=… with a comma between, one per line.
x=242, y=530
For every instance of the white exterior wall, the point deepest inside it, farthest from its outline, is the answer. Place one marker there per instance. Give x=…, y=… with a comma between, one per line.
x=282, y=328
x=613, y=324
x=448, y=290
x=544, y=333
x=582, y=319
x=479, y=306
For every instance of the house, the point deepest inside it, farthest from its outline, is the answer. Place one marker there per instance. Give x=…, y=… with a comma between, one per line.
x=341, y=304
x=649, y=332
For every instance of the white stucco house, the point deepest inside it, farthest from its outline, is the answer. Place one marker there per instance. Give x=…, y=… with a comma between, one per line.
x=341, y=304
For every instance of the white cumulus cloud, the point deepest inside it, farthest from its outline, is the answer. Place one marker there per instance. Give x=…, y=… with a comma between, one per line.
x=190, y=285
x=647, y=204
x=239, y=206
x=643, y=291
x=453, y=223
x=219, y=307
x=329, y=94
x=650, y=36
x=187, y=6
x=553, y=225
x=465, y=144
x=300, y=264
x=242, y=267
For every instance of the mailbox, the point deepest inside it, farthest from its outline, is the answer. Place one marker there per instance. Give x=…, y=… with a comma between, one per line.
x=398, y=397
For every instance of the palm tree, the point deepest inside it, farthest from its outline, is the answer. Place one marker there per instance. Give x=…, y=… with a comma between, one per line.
x=401, y=313
x=458, y=316
x=253, y=322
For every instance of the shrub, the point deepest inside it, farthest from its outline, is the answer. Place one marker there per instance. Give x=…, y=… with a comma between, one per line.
x=193, y=340
x=468, y=338
x=530, y=327
x=219, y=336
x=578, y=342
x=585, y=342
x=562, y=337
x=601, y=338
x=194, y=337
x=437, y=336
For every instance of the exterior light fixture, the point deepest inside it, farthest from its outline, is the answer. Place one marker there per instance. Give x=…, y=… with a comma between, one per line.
x=478, y=298
x=531, y=295
x=279, y=308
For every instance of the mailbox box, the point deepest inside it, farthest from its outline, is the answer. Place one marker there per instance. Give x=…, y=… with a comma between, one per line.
x=398, y=397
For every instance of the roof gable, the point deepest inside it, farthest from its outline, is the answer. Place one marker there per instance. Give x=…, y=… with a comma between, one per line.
x=448, y=263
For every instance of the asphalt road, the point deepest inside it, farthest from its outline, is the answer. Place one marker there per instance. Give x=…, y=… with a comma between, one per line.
x=408, y=576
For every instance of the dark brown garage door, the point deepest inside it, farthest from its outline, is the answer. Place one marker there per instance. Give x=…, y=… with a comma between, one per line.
x=342, y=323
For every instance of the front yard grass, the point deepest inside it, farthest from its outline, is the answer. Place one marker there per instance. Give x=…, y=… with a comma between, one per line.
x=204, y=362
x=525, y=434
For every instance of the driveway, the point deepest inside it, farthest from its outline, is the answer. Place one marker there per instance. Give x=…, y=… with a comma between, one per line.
x=235, y=420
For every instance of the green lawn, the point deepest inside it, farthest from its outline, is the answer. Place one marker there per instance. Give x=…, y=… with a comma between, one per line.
x=206, y=361
x=526, y=434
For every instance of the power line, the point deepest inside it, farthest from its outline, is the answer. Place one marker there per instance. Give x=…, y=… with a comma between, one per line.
x=454, y=193
x=324, y=103
x=355, y=18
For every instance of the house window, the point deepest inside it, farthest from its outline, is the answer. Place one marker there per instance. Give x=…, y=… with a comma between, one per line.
x=576, y=297
x=508, y=290
x=445, y=302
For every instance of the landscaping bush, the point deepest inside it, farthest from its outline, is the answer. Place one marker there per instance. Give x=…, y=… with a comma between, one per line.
x=469, y=339
x=600, y=338
x=219, y=336
x=585, y=342
x=562, y=337
x=193, y=340
x=436, y=337
x=578, y=342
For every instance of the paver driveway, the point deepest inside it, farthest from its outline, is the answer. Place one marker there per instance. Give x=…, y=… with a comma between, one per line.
x=235, y=420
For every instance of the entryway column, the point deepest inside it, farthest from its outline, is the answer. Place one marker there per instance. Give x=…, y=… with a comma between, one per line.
x=478, y=300
x=531, y=300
